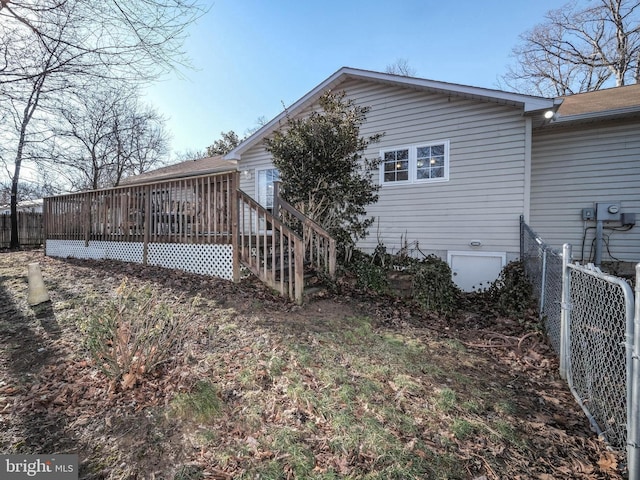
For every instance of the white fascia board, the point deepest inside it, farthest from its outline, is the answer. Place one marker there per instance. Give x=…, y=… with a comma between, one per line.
x=529, y=103
x=605, y=114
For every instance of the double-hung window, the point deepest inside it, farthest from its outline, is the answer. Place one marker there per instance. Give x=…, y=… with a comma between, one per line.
x=421, y=163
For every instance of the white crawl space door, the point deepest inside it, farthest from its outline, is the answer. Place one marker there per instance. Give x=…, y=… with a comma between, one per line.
x=475, y=270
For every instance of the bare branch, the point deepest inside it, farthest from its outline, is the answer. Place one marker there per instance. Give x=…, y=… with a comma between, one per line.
x=51, y=51
x=576, y=50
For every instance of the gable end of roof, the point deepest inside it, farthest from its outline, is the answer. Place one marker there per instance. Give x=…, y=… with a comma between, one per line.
x=528, y=103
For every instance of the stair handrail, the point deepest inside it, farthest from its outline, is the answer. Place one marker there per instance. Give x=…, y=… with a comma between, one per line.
x=264, y=264
x=310, y=228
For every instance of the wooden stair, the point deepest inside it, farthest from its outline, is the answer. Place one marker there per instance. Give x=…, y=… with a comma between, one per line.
x=275, y=253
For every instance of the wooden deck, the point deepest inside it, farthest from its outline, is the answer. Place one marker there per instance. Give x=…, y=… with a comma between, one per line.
x=200, y=210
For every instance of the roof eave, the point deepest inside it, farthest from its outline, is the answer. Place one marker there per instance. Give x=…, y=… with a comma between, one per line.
x=529, y=103
x=603, y=115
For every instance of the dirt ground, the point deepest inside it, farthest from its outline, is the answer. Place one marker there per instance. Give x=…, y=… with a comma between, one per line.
x=53, y=399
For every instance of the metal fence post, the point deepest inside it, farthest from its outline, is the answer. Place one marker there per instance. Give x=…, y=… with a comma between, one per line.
x=543, y=283
x=522, y=238
x=633, y=415
x=565, y=312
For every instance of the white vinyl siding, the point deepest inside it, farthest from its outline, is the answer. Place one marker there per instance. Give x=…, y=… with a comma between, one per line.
x=483, y=198
x=252, y=162
x=574, y=168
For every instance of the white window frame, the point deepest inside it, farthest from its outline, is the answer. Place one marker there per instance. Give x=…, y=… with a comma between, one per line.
x=413, y=163
x=259, y=193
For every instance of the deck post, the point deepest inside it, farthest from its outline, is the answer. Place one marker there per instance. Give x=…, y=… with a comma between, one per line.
x=298, y=258
x=45, y=223
x=332, y=258
x=147, y=224
x=235, y=225
x=87, y=218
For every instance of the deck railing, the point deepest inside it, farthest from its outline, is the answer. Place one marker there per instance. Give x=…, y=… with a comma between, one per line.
x=319, y=246
x=270, y=249
x=206, y=209
x=188, y=210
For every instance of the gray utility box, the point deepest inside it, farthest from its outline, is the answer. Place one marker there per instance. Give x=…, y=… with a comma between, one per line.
x=588, y=214
x=608, y=211
x=628, y=219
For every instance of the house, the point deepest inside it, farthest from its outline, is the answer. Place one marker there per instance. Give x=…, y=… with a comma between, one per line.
x=187, y=168
x=460, y=166
x=589, y=156
x=30, y=206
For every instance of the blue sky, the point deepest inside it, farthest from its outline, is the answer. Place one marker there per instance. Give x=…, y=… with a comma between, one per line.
x=251, y=56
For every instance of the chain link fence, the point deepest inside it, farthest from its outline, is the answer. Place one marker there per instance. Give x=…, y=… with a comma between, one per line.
x=600, y=318
x=590, y=322
x=543, y=266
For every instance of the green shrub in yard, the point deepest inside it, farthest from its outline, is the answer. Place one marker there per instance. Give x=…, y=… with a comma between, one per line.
x=433, y=287
x=132, y=334
x=369, y=274
x=511, y=294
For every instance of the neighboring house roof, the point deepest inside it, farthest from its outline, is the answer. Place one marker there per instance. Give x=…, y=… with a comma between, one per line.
x=529, y=103
x=600, y=104
x=24, y=206
x=188, y=168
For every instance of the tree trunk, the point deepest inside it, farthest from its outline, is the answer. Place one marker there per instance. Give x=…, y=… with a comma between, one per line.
x=31, y=105
x=14, y=244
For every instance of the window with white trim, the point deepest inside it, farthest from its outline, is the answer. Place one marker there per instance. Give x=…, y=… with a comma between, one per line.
x=421, y=163
x=264, y=180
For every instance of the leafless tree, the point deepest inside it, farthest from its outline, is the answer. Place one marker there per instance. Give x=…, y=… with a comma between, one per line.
x=579, y=48
x=53, y=48
x=401, y=67
x=108, y=135
x=261, y=121
x=31, y=190
x=131, y=39
x=188, y=154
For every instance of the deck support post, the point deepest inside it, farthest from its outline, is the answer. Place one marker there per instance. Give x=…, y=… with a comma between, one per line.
x=235, y=224
x=147, y=224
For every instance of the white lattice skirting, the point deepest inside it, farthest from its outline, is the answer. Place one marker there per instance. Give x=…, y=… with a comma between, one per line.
x=207, y=259
x=210, y=259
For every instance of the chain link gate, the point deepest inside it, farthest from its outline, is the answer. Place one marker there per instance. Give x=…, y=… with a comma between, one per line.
x=590, y=321
x=600, y=330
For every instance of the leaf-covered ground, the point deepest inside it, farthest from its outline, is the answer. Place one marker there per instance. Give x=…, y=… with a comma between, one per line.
x=346, y=386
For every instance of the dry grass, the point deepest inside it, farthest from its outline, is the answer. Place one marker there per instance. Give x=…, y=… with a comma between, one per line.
x=340, y=388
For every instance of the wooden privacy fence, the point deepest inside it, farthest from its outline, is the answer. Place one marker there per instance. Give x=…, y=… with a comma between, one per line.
x=30, y=229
